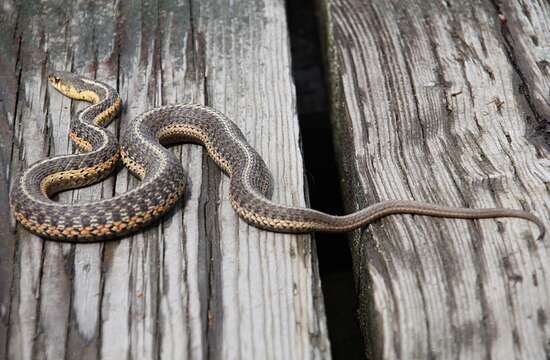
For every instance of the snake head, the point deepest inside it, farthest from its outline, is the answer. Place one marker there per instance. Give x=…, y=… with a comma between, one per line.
x=74, y=86
x=59, y=78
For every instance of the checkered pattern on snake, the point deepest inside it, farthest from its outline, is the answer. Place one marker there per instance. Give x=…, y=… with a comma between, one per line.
x=163, y=179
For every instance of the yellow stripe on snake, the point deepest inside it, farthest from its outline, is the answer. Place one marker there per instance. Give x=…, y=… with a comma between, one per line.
x=163, y=179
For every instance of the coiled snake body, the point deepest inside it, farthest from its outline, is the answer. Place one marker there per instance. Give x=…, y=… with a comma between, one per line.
x=163, y=179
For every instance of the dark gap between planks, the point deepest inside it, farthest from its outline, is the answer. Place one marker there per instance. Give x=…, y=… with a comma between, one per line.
x=323, y=179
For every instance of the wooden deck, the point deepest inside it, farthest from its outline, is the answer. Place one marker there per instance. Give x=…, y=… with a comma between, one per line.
x=446, y=102
x=203, y=283
x=442, y=102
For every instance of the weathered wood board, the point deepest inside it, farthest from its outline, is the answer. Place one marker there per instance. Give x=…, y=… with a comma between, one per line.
x=202, y=283
x=446, y=102
x=526, y=31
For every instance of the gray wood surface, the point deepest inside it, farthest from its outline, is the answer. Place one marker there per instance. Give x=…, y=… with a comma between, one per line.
x=526, y=31
x=445, y=102
x=202, y=283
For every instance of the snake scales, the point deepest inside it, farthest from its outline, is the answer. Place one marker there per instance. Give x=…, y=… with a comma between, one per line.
x=163, y=179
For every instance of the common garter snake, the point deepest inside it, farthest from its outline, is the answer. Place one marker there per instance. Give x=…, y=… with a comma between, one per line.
x=163, y=179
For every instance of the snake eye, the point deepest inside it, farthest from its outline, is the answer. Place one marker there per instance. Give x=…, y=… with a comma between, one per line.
x=54, y=79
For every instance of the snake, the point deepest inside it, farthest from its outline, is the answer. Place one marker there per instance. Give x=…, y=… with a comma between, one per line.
x=143, y=150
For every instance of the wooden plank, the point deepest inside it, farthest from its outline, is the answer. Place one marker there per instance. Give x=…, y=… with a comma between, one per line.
x=427, y=106
x=202, y=283
x=526, y=31
x=8, y=82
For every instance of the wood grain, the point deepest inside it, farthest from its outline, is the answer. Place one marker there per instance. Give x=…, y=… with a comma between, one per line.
x=202, y=283
x=8, y=99
x=526, y=31
x=428, y=104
